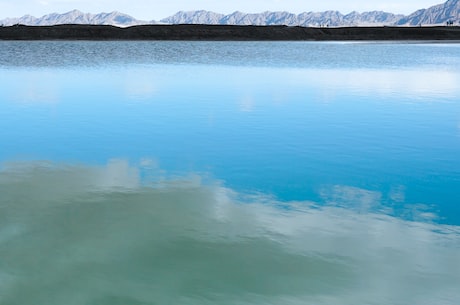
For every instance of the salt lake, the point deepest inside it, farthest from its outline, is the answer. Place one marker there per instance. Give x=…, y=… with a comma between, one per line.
x=229, y=172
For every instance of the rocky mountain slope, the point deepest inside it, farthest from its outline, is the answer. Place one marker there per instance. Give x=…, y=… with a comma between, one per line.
x=76, y=17
x=329, y=18
x=438, y=14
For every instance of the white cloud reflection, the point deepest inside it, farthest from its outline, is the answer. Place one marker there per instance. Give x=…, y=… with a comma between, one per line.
x=102, y=230
x=139, y=88
x=246, y=104
x=413, y=83
x=37, y=89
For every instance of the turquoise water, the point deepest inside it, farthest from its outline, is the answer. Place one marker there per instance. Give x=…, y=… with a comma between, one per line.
x=229, y=173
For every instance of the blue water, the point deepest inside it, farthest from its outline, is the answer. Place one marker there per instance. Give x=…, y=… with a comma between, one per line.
x=316, y=165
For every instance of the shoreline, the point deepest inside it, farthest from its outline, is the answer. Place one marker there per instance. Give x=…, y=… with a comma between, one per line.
x=229, y=33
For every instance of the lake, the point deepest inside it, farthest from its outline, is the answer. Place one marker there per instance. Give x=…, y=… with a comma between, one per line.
x=135, y=173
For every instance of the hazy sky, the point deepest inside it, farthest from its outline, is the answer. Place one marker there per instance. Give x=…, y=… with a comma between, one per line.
x=156, y=9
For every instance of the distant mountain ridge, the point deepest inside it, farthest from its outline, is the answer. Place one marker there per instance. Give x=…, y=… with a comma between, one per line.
x=77, y=17
x=329, y=18
x=438, y=14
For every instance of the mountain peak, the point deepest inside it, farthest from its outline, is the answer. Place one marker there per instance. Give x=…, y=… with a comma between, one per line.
x=75, y=11
x=77, y=17
x=438, y=14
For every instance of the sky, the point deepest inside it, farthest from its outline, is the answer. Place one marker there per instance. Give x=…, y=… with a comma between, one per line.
x=158, y=9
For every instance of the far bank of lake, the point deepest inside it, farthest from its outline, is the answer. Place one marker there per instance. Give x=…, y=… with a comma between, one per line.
x=227, y=32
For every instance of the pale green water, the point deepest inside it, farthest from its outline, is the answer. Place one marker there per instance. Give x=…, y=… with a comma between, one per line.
x=95, y=235
x=229, y=173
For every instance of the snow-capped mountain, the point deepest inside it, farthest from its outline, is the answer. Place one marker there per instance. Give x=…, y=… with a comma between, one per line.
x=331, y=18
x=77, y=17
x=194, y=17
x=438, y=14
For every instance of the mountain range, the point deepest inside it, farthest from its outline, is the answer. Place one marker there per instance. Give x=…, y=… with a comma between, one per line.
x=76, y=17
x=438, y=14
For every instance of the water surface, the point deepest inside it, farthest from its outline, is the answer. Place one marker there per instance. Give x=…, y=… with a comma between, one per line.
x=229, y=173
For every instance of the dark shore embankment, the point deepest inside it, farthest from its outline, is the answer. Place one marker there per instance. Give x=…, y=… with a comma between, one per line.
x=224, y=32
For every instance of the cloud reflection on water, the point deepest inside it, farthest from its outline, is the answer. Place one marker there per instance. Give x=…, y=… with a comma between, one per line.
x=101, y=235
x=36, y=89
x=282, y=84
x=414, y=83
